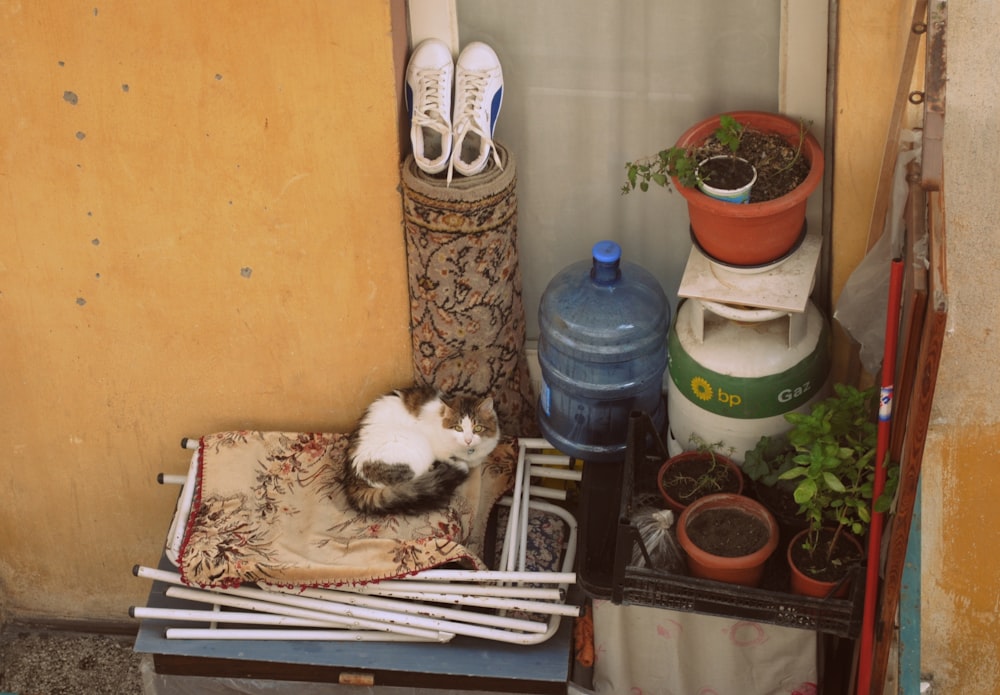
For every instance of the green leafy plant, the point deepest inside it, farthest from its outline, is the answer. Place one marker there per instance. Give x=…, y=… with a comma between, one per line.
x=766, y=462
x=834, y=464
x=679, y=162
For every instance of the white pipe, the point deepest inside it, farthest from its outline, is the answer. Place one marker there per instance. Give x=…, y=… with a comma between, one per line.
x=290, y=635
x=548, y=493
x=229, y=617
x=247, y=603
x=534, y=443
x=257, y=599
x=482, y=602
x=367, y=618
x=250, y=600
x=327, y=610
x=492, y=576
x=549, y=459
x=554, y=473
x=168, y=479
x=509, y=550
x=395, y=623
x=424, y=609
x=178, y=527
x=522, y=545
x=526, y=592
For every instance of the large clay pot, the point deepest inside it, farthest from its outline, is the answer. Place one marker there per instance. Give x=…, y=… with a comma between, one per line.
x=805, y=585
x=753, y=234
x=747, y=570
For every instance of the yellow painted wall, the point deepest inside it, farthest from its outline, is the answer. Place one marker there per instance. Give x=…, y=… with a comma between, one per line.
x=200, y=229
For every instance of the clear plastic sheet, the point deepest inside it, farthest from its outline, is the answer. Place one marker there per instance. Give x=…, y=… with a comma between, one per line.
x=862, y=305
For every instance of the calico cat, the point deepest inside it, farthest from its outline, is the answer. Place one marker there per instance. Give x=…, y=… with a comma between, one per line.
x=411, y=449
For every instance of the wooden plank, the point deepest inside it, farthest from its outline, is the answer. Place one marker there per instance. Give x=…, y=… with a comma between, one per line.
x=916, y=423
x=883, y=193
x=914, y=305
x=934, y=90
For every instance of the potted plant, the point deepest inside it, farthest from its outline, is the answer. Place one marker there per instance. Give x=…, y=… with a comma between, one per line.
x=690, y=475
x=789, y=164
x=834, y=466
x=715, y=168
x=727, y=538
x=762, y=467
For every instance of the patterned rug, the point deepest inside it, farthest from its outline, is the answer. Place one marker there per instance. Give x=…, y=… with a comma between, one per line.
x=466, y=310
x=268, y=508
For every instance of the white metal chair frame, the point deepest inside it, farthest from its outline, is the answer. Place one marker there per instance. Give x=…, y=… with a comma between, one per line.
x=424, y=607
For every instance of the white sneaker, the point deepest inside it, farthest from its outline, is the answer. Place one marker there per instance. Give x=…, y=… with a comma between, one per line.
x=428, y=100
x=478, y=96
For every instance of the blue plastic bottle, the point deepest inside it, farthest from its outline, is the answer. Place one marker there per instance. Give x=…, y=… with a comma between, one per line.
x=602, y=349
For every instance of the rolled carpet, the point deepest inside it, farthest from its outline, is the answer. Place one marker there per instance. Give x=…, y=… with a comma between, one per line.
x=466, y=309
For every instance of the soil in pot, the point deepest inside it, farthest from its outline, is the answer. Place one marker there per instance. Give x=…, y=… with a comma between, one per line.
x=780, y=166
x=824, y=564
x=735, y=524
x=780, y=501
x=727, y=532
x=692, y=475
x=726, y=173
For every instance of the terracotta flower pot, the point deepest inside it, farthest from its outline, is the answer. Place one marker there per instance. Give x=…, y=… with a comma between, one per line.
x=747, y=570
x=804, y=584
x=692, y=459
x=756, y=233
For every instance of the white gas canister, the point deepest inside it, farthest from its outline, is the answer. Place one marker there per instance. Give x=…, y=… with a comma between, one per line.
x=736, y=371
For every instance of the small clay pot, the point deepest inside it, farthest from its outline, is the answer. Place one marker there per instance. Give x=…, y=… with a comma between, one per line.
x=737, y=193
x=747, y=570
x=686, y=458
x=804, y=584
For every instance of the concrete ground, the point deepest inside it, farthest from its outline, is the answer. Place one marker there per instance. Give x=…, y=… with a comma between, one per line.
x=51, y=662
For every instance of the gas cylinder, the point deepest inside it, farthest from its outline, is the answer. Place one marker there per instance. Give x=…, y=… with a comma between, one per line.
x=734, y=372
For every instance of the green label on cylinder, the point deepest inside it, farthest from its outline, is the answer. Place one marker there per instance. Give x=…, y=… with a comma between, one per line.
x=749, y=397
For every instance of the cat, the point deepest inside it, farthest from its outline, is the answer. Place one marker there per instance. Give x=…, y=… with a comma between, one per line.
x=412, y=448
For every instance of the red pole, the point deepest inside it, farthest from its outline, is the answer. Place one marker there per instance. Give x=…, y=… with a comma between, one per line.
x=875, y=529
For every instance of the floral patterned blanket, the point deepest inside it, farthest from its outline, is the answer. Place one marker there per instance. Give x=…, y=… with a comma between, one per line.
x=268, y=508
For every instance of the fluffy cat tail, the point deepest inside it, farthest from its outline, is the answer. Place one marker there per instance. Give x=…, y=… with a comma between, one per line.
x=427, y=492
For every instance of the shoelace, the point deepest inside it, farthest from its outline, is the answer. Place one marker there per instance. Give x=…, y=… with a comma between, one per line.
x=433, y=85
x=472, y=117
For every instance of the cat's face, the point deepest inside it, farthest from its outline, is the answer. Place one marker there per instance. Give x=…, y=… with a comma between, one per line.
x=471, y=423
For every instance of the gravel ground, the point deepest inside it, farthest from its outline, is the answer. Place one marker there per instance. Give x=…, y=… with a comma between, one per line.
x=46, y=662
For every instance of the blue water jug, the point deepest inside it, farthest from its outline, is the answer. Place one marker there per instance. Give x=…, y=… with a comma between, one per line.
x=602, y=349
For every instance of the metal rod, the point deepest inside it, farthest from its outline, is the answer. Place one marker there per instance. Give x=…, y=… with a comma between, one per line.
x=228, y=617
x=289, y=635
x=253, y=600
x=492, y=576
x=865, y=651
x=424, y=609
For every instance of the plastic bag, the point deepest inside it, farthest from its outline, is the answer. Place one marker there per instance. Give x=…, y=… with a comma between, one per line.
x=655, y=527
x=862, y=306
